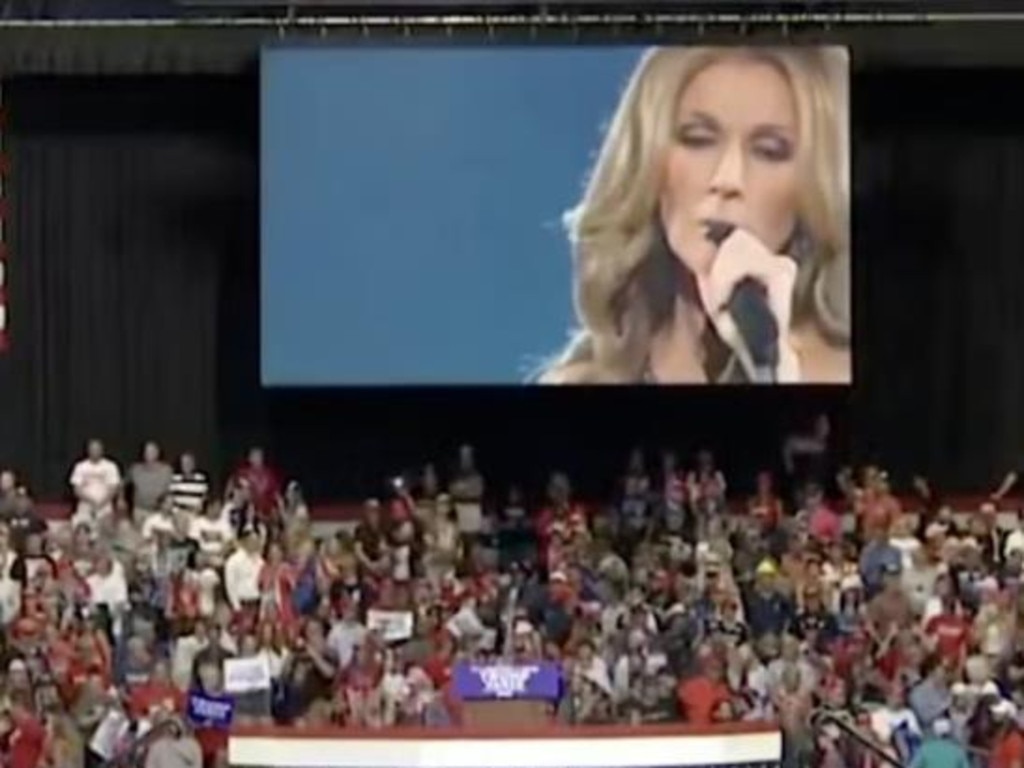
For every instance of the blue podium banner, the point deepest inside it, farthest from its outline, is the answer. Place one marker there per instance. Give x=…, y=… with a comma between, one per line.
x=492, y=682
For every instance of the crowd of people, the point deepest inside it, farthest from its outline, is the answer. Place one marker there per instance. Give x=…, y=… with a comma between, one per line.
x=823, y=603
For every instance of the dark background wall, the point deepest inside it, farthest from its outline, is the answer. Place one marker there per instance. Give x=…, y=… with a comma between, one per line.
x=134, y=304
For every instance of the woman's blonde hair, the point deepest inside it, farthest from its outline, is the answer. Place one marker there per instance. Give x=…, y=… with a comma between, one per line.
x=627, y=280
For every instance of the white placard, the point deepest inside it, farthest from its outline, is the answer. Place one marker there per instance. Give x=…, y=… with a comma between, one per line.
x=247, y=675
x=109, y=734
x=392, y=626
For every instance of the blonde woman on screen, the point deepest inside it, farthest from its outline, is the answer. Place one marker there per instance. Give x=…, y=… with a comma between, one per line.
x=748, y=143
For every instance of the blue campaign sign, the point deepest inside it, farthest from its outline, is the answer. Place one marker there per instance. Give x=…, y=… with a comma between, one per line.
x=210, y=711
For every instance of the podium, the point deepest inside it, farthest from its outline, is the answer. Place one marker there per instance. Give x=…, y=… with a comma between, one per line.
x=507, y=696
x=505, y=714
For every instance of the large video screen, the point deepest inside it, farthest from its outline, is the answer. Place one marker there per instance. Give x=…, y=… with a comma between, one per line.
x=555, y=215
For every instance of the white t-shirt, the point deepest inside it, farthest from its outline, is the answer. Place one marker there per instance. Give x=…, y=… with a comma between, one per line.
x=885, y=722
x=907, y=545
x=110, y=589
x=242, y=577
x=95, y=483
x=157, y=523
x=275, y=661
x=344, y=638
x=932, y=609
x=213, y=536
x=401, y=563
x=206, y=582
x=1014, y=543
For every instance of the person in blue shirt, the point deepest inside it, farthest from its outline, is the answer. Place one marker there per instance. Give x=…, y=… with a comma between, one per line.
x=878, y=559
x=768, y=611
x=931, y=698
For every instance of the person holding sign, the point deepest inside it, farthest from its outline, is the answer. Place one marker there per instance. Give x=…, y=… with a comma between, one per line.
x=308, y=674
x=249, y=679
x=211, y=710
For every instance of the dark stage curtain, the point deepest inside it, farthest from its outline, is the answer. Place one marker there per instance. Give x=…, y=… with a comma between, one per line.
x=123, y=203
x=939, y=229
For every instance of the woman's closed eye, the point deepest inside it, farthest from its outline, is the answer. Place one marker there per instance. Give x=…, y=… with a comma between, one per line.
x=773, y=148
x=695, y=136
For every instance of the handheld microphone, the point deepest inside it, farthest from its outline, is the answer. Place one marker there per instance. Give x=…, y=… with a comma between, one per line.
x=749, y=310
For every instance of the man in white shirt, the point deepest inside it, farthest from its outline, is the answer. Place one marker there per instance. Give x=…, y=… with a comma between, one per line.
x=213, y=533
x=242, y=572
x=96, y=481
x=108, y=587
x=347, y=634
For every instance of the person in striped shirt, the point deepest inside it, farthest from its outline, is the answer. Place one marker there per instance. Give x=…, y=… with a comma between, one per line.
x=189, y=487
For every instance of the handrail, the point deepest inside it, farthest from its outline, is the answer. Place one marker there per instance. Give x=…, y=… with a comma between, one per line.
x=822, y=717
x=476, y=733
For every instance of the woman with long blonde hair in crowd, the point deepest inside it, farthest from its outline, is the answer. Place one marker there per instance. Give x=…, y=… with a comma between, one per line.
x=720, y=165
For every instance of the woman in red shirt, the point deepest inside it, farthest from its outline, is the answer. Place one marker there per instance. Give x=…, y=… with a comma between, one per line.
x=25, y=738
x=950, y=631
x=156, y=694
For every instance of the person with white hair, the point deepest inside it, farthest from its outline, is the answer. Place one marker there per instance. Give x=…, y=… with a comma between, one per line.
x=940, y=749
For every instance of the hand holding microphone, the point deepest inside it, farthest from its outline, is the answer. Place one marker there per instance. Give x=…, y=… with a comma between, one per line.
x=748, y=295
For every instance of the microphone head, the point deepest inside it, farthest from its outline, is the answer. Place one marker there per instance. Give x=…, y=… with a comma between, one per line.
x=718, y=231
